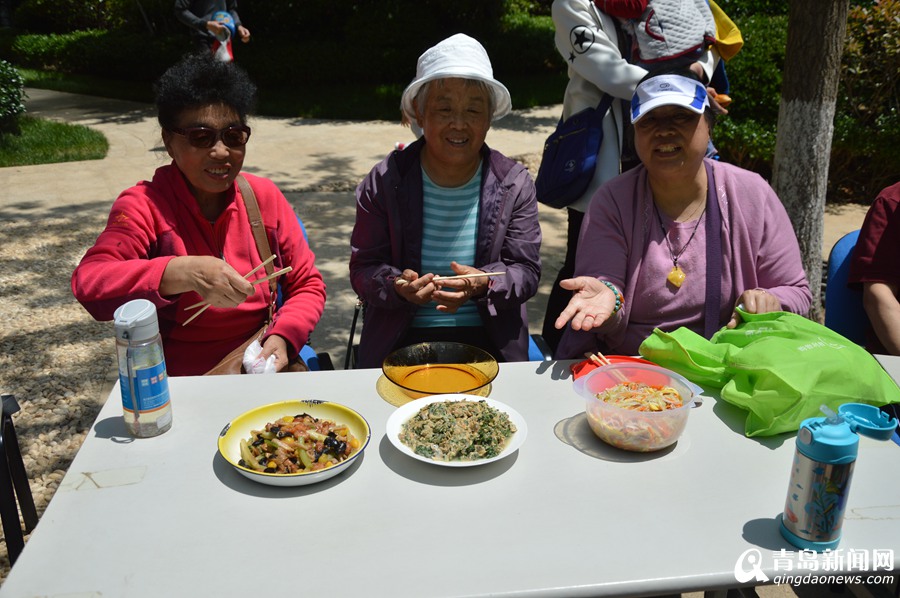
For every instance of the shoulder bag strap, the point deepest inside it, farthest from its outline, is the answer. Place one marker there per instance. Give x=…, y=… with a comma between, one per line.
x=259, y=234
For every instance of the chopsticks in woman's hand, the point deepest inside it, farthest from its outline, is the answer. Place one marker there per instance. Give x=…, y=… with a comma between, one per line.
x=206, y=305
x=275, y=274
x=199, y=311
x=247, y=275
x=462, y=276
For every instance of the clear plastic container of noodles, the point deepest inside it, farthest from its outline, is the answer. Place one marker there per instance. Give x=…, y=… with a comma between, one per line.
x=654, y=425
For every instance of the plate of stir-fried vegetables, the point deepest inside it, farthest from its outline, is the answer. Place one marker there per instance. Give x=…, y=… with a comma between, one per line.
x=293, y=443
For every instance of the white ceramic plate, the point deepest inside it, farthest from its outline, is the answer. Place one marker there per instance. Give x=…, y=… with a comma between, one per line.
x=404, y=413
x=256, y=419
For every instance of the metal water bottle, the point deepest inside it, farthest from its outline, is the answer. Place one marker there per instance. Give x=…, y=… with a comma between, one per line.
x=142, y=370
x=822, y=470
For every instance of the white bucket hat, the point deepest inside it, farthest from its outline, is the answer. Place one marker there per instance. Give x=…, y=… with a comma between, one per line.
x=458, y=56
x=668, y=90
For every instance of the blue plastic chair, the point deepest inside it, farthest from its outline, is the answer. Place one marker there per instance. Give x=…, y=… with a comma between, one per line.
x=844, y=312
x=538, y=349
x=313, y=360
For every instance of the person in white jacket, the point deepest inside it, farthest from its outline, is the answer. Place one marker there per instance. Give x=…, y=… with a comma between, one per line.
x=593, y=46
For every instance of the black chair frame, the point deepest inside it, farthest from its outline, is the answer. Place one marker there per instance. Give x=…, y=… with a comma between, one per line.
x=15, y=493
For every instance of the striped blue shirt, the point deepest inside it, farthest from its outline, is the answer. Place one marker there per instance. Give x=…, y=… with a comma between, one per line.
x=450, y=230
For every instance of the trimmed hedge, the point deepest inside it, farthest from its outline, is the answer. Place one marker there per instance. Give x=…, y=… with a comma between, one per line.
x=12, y=98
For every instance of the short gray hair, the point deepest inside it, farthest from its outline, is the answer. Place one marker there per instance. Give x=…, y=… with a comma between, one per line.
x=422, y=94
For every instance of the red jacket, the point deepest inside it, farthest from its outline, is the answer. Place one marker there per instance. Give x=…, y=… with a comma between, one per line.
x=155, y=221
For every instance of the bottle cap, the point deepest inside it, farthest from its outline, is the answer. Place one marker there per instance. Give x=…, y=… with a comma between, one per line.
x=835, y=439
x=868, y=420
x=827, y=440
x=136, y=321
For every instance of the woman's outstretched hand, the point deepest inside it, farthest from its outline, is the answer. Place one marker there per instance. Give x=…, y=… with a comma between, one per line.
x=591, y=305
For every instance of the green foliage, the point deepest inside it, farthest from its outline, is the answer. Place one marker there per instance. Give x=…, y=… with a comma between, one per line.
x=60, y=16
x=747, y=135
x=864, y=158
x=47, y=142
x=113, y=54
x=867, y=123
x=525, y=46
x=740, y=9
x=12, y=99
x=748, y=143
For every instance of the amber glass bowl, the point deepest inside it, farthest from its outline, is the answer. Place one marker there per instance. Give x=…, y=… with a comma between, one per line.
x=426, y=369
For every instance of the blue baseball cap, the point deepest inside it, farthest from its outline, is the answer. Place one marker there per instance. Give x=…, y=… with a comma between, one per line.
x=668, y=90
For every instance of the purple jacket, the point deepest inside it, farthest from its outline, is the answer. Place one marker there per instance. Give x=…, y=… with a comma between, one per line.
x=759, y=250
x=387, y=238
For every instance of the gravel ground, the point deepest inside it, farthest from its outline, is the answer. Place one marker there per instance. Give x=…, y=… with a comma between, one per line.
x=54, y=358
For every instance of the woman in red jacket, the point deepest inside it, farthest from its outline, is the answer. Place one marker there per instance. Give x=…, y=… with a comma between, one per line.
x=185, y=237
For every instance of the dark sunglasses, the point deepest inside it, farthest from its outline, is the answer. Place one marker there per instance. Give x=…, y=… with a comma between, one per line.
x=204, y=137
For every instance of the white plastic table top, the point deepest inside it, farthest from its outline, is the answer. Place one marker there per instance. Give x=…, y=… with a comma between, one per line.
x=564, y=516
x=891, y=364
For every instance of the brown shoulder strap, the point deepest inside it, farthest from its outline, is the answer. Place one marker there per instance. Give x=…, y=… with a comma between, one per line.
x=259, y=231
x=256, y=223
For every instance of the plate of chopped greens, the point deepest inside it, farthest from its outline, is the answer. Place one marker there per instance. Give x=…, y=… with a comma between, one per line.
x=456, y=430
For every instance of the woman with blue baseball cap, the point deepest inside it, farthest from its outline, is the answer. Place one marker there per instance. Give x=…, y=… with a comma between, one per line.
x=681, y=240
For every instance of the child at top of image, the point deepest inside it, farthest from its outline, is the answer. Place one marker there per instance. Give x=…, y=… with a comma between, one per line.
x=663, y=30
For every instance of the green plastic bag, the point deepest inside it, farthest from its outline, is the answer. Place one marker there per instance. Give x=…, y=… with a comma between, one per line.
x=780, y=367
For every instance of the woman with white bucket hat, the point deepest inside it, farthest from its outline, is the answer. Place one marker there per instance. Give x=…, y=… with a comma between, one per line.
x=447, y=205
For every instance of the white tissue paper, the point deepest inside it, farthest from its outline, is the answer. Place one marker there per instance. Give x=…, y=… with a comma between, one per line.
x=253, y=364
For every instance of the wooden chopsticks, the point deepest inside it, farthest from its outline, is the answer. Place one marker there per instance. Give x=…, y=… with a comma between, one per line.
x=601, y=360
x=598, y=358
x=463, y=276
x=204, y=305
x=403, y=281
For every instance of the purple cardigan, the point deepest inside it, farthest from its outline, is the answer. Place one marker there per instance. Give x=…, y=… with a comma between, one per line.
x=387, y=238
x=759, y=249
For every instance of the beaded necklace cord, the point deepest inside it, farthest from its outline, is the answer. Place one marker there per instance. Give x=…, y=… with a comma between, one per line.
x=676, y=275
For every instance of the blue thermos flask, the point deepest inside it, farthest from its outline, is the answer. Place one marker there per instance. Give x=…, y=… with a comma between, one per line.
x=821, y=472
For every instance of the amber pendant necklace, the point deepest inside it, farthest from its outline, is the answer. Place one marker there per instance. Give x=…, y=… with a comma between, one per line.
x=676, y=274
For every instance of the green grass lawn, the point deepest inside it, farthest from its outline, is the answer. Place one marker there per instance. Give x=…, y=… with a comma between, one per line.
x=47, y=142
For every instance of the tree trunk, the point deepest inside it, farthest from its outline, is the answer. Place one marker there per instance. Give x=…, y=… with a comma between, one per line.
x=816, y=32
